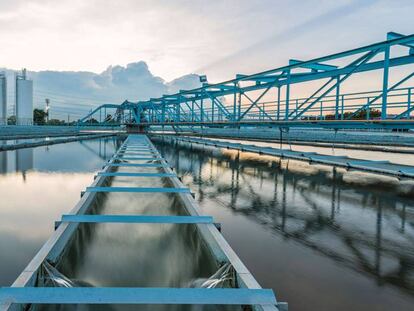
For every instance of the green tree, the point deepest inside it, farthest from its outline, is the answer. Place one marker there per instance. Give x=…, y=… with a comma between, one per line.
x=55, y=122
x=11, y=120
x=92, y=121
x=39, y=117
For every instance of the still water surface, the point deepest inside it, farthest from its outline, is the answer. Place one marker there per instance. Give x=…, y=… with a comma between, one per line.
x=323, y=239
x=37, y=185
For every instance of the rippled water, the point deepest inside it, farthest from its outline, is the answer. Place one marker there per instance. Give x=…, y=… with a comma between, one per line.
x=322, y=238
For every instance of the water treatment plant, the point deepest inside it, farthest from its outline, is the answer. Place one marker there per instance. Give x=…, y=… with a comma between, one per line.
x=287, y=189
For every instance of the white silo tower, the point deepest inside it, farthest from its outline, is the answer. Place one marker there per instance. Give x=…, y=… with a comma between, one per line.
x=3, y=99
x=24, y=100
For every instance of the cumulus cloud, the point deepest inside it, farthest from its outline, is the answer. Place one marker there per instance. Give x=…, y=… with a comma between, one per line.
x=76, y=92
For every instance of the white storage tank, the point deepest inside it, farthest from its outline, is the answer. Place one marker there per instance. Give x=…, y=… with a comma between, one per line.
x=24, y=100
x=3, y=99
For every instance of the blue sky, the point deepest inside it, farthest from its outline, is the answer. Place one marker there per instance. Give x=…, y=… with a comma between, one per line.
x=176, y=37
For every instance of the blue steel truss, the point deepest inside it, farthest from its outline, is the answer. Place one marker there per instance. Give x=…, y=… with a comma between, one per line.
x=250, y=100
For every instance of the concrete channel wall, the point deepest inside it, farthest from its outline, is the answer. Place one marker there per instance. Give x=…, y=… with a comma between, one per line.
x=54, y=141
x=371, y=138
x=36, y=131
x=378, y=167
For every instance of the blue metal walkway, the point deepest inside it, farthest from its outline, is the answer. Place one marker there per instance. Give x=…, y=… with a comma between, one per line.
x=25, y=292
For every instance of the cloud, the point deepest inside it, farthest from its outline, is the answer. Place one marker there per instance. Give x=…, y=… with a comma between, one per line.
x=177, y=36
x=292, y=33
x=76, y=92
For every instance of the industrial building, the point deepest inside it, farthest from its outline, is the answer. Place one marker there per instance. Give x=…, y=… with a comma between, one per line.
x=24, y=99
x=3, y=99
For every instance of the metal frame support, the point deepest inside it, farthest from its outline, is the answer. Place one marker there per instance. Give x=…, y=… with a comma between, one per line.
x=235, y=102
x=385, y=82
x=287, y=95
x=338, y=84
x=137, y=219
x=278, y=104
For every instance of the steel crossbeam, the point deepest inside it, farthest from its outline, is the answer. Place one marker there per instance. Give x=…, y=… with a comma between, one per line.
x=126, y=174
x=138, y=189
x=138, y=158
x=131, y=295
x=138, y=219
x=137, y=164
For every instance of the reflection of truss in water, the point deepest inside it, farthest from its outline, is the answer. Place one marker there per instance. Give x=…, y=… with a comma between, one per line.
x=101, y=152
x=378, y=254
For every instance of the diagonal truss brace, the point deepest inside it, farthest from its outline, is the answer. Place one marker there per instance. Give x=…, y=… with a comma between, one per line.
x=357, y=63
x=367, y=105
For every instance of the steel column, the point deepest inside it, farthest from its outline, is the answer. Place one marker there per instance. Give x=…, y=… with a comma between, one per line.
x=385, y=82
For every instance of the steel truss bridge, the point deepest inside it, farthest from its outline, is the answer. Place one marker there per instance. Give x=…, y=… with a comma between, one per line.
x=265, y=98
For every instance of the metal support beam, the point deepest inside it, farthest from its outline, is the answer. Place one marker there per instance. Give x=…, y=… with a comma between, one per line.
x=338, y=84
x=255, y=102
x=138, y=219
x=287, y=95
x=358, y=62
x=278, y=104
x=138, y=189
x=125, y=174
x=137, y=164
x=131, y=295
x=370, y=102
x=385, y=83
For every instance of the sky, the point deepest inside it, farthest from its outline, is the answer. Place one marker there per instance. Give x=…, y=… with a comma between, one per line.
x=82, y=53
x=178, y=37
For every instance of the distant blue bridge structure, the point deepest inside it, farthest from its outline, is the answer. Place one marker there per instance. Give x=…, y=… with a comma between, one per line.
x=265, y=98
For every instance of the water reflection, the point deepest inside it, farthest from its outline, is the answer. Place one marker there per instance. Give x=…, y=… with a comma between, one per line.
x=37, y=185
x=336, y=219
x=24, y=161
x=3, y=162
